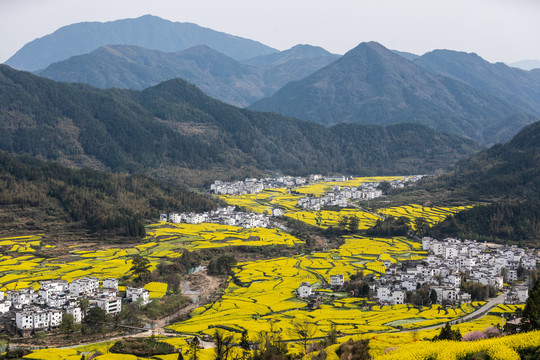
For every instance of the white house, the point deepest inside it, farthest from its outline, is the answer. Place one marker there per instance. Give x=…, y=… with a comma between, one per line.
x=75, y=312
x=523, y=294
x=110, y=283
x=4, y=306
x=304, y=290
x=337, y=280
x=110, y=304
x=138, y=294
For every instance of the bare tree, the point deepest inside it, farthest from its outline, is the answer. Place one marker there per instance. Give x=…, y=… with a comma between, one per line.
x=303, y=330
x=224, y=343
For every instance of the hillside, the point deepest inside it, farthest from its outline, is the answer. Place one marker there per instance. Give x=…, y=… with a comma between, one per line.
x=518, y=87
x=372, y=85
x=147, y=31
x=221, y=77
x=506, y=175
x=174, y=128
x=47, y=197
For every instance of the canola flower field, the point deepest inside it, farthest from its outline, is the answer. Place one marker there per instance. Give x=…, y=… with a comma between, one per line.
x=432, y=215
x=204, y=236
x=20, y=269
x=262, y=293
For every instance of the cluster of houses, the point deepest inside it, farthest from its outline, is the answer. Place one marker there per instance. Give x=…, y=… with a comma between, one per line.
x=254, y=186
x=442, y=270
x=31, y=310
x=341, y=196
x=444, y=266
x=224, y=216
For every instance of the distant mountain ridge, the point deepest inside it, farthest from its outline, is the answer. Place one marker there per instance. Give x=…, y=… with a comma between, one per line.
x=372, y=85
x=518, y=87
x=174, y=128
x=147, y=31
x=526, y=64
x=240, y=84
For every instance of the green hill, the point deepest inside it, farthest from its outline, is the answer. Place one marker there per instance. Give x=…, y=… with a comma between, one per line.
x=508, y=177
x=62, y=202
x=175, y=131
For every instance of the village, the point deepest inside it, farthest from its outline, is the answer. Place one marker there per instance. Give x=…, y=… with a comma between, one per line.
x=340, y=196
x=27, y=310
x=255, y=186
x=448, y=263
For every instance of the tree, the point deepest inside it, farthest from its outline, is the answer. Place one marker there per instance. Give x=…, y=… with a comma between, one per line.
x=332, y=335
x=223, y=344
x=244, y=344
x=68, y=326
x=421, y=225
x=447, y=333
x=83, y=303
x=354, y=222
x=304, y=331
x=530, y=320
x=194, y=345
x=180, y=356
x=95, y=320
x=140, y=266
x=384, y=186
x=354, y=350
x=343, y=221
x=433, y=296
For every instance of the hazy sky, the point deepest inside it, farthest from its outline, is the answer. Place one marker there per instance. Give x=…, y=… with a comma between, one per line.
x=497, y=30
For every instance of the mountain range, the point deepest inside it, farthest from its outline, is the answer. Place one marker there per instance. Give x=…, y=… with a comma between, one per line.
x=373, y=85
x=147, y=31
x=237, y=83
x=447, y=90
x=175, y=128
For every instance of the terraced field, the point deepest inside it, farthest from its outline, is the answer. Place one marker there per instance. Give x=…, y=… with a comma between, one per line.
x=263, y=293
x=20, y=269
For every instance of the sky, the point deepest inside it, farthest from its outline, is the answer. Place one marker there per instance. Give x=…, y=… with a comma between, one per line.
x=497, y=30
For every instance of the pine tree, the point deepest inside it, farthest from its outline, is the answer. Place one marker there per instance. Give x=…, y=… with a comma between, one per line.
x=531, y=313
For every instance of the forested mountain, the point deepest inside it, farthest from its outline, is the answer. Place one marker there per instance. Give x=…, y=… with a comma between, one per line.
x=174, y=127
x=508, y=175
x=147, y=31
x=221, y=77
x=518, y=87
x=371, y=84
x=38, y=196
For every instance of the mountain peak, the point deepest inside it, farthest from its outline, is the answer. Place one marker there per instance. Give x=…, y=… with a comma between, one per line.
x=147, y=31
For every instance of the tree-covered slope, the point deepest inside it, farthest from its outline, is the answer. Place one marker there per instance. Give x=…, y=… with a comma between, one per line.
x=48, y=197
x=147, y=31
x=174, y=124
x=372, y=85
x=506, y=175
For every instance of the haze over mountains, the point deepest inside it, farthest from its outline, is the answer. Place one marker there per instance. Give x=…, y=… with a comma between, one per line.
x=447, y=90
x=373, y=85
x=237, y=83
